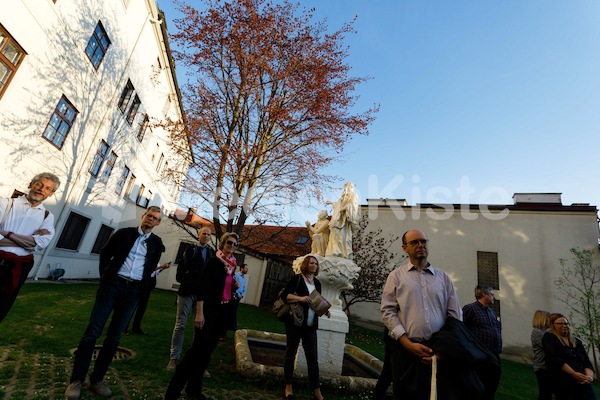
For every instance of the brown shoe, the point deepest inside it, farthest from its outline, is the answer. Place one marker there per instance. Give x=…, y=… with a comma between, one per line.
x=172, y=365
x=73, y=391
x=100, y=389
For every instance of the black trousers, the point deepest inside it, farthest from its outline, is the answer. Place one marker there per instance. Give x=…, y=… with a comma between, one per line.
x=308, y=335
x=490, y=377
x=385, y=379
x=190, y=371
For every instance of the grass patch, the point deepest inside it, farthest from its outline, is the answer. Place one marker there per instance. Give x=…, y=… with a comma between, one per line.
x=48, y=320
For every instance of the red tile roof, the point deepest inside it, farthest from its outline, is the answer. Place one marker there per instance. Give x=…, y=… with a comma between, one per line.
x=278, y=241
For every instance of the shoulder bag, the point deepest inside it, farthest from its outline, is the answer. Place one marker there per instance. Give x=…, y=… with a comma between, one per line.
x=282, y=309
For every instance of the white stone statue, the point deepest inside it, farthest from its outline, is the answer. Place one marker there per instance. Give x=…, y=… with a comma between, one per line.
x=345, y=218
x=319, y=234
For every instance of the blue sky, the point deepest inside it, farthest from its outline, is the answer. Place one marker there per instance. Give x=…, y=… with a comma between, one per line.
x=479, y=99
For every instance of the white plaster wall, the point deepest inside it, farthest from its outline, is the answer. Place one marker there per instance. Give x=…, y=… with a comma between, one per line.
x=54, y=36
x=529, y=245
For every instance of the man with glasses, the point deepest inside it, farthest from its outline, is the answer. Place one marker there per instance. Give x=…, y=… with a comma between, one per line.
x=127, y=261
x=415, y=302
x=480, y=318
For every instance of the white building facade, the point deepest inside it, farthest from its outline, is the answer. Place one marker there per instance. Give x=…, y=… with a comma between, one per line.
x=83, y=86
x=516, y=249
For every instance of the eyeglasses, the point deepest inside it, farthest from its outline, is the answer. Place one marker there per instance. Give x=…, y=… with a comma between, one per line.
x=231, y=243
x=562, y=323
x=417, y=241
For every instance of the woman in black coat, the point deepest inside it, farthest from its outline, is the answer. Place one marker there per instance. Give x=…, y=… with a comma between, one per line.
x=567, y=362
x=297, y=291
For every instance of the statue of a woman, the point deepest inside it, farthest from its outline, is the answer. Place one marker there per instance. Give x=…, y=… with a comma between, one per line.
x=346, y=215
x=319, y=234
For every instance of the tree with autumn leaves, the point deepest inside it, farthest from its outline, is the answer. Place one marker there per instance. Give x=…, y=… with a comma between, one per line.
x=269, y=103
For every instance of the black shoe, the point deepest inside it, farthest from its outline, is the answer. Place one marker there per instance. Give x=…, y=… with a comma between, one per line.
x=288, y=397
x=201, y=397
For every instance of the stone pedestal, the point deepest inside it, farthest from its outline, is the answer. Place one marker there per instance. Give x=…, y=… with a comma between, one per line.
x=331, y=339
x=335, y=274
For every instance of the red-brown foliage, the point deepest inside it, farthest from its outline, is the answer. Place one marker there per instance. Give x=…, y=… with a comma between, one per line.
x=268, y=104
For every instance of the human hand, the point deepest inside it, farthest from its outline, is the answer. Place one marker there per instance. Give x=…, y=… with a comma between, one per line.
x=583, y=378
x=422, y=352
x=163, y=266
x=199, y=320
x=328, y=314
x=41, y=232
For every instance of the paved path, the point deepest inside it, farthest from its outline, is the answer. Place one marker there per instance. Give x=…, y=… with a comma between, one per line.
x=44, y=377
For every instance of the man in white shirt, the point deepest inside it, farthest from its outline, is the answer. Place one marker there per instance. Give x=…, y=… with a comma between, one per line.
x=26, y=226
x=415, y=302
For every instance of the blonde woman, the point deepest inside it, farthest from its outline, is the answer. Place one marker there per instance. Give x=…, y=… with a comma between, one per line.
x=567, y=361
x=297, y=291
x=540, y=325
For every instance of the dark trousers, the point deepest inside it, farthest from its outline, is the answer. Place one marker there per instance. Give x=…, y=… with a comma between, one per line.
x=308, y=335
x=140, y=311
x=490, y=378
x=190, y=371
x=385, y=378
x=13, y=273
x=545, y=384
x=412, y=379
x=569, y=389
x=235, y=304
x=118, y=297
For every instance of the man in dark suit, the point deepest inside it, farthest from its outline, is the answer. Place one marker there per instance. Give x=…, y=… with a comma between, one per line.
x=188, y=274
x=127, y=261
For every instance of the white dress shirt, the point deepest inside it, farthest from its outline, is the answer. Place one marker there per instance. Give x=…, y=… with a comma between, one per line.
x=416, y=303
x=23, y=219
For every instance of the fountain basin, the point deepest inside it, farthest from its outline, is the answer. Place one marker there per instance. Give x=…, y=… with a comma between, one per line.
x=360, y=362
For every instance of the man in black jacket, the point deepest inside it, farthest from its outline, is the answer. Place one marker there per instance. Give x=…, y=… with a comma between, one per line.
x=188, y=274
x=127, y=261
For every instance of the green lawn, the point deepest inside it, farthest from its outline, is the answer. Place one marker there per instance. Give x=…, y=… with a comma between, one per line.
x=48, y=319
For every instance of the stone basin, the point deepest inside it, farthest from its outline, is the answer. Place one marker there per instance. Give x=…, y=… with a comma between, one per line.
x=246, y=338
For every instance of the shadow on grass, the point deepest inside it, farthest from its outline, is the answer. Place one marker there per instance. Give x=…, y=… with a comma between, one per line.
x=48, y=320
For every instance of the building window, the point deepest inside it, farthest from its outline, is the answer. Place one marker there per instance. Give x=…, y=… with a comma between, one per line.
x=167, y=106
x=108, y=167
x=141, y=200
x=181, y=250
x=130, y=186
x=160, y=161
x=155, y=152
x=11, y=55
x=97, y=45
x=126, y=96
x=122, y=180
x=73, y=232
x=302, y=240
x=487, y=269
x=60, y=123
x=143, y=127
x=135, y=105
x=99, y=158
x=102, y=238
